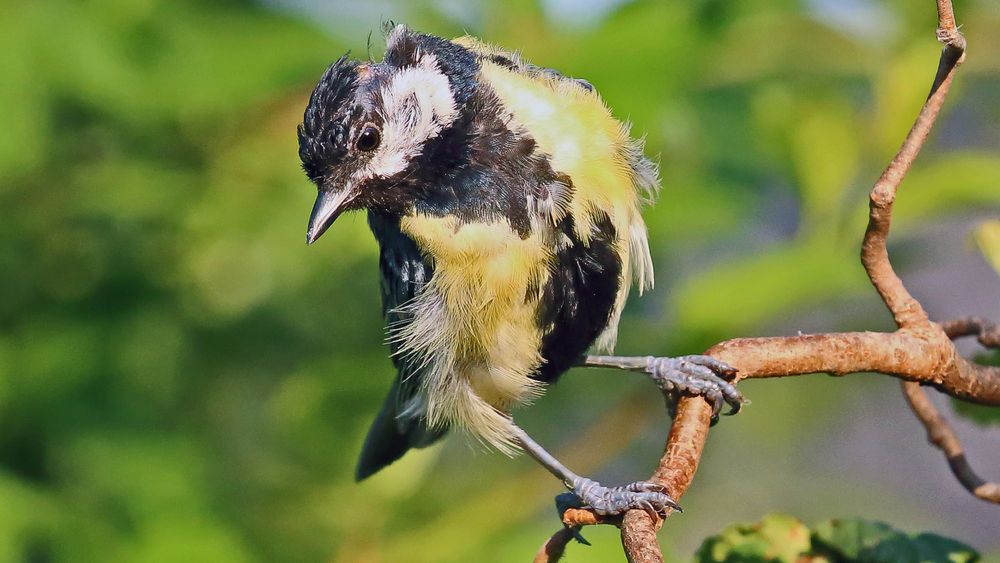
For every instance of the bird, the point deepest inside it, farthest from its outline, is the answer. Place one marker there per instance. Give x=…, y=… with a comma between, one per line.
x=506, y=202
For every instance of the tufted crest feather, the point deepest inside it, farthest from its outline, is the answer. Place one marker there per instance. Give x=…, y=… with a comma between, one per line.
x=323, y=132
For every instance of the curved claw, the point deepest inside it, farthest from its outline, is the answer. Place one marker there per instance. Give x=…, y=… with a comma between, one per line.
x=698, y=375
x=614, y=501
x=575, y=531
x=564, y=502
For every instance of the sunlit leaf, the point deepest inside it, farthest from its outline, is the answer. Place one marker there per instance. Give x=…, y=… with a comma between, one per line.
x=182, y=378
x=987, y=236
x=776, y=537
x=783, y=279
x=825, y=152
x=782, y=538
x=860, y=540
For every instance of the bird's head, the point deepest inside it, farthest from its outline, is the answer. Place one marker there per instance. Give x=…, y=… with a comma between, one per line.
x=371, y=136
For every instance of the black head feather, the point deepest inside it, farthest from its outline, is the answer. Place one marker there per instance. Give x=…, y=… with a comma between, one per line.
x=456, y=62
x=323, y=134
x=470, y=164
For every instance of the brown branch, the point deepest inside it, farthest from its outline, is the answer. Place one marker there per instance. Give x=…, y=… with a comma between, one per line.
x=923, y=354
x=675, y=471
x=940, y=433
x=904, y=308
x=918, y=352
x=837, y=354
x=553, y=548
x=986, y=331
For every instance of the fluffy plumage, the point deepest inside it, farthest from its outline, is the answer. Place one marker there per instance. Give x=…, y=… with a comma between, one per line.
x=506, y=200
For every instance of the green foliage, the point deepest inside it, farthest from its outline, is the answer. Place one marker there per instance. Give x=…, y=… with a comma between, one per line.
x=987, y=237
x=783, y=538
x=775, y=538
x=859, y=540
x=182, y=379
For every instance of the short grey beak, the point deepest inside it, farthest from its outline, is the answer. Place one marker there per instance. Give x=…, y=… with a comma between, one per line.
x=329, y=205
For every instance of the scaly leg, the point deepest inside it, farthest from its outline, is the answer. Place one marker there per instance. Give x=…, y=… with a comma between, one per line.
x=694, y=375
x=606, y=501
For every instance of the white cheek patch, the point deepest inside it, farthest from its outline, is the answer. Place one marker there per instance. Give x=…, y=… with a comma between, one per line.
x=416, y=105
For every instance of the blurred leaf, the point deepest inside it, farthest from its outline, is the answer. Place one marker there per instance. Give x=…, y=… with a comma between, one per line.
x=948, y=182
x=770, y=43
x=783, y=278
x=860, y=540
x=181, y=378
x=900, y=90
x=825, y=154
x=782, y=538
x=987, y=236
x=852, y=537
x=980, y=414
x=26, y=130
x=27, y=516
x=777, y=537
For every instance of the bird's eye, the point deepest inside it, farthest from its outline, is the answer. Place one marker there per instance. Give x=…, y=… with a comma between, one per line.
x=369, y=139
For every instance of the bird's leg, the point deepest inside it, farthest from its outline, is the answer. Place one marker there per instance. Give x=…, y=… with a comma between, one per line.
x=693, y=375
x=606, y=501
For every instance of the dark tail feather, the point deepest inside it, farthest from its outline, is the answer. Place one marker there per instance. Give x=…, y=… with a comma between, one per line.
x=389, y=438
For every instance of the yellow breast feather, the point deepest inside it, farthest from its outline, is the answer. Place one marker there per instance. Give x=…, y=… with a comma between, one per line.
x=575, y=129
x=474, y=325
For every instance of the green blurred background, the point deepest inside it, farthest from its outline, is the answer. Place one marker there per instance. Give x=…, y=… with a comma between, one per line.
x=182, y=379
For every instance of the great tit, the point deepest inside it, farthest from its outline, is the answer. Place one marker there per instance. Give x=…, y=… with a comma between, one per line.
x=505, y=200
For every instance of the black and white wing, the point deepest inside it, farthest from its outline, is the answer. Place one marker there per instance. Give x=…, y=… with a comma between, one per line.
x=400, y=425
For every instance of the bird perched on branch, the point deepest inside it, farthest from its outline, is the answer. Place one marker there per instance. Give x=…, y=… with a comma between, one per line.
x=505, y=200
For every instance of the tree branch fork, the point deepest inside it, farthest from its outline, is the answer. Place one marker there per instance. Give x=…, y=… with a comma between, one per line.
x=919, y=353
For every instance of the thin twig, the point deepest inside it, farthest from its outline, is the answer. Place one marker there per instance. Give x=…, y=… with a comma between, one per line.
x=675, y=471
x=986, y=331
x=918, y=351
x=553, y=548
x=939, y=431
x=905, y=309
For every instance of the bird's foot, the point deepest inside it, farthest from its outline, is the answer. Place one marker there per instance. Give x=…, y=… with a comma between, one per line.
x=697, y=375
x=615, y=501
